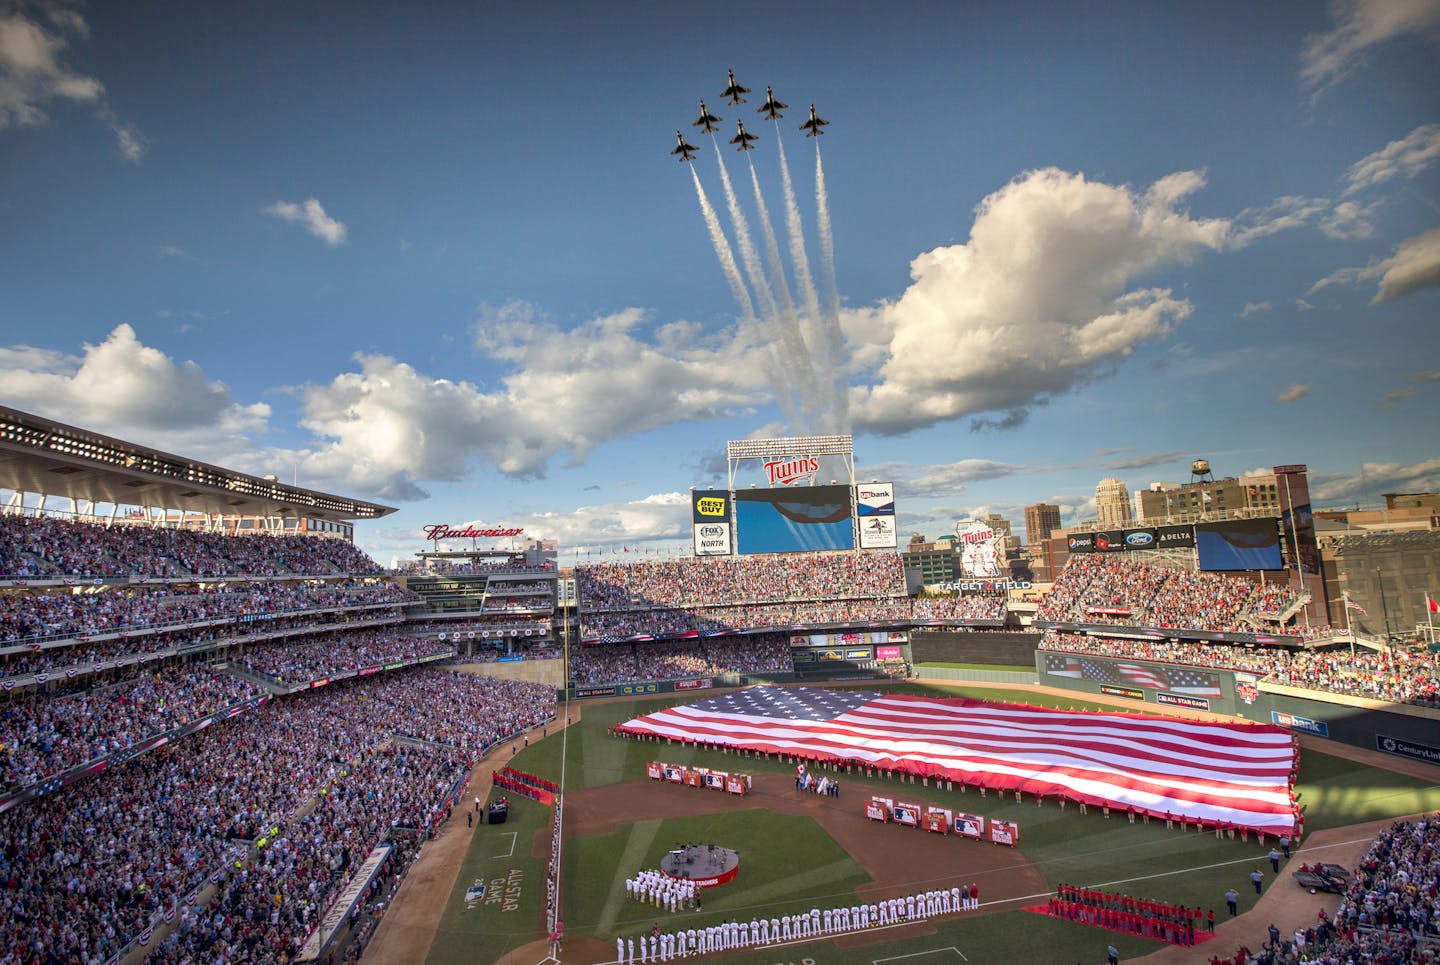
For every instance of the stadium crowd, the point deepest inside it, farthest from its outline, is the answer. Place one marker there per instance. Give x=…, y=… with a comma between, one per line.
x=310, y=658
x=607, y=663
x=44, y=735
x=1118, y=589
x=89, y=867
x=1398, y=676
x=742, y=579
x=666, y=622
x=39, y=617
x=959, y=608
x=1389, y=914
x=45, y=547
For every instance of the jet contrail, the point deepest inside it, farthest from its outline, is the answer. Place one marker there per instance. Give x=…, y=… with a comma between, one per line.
x=774, y=371
x=723, y=252
x=811, y=321
x=793, y=340
x=835, y=338
x=803, y=279
x=748, y=256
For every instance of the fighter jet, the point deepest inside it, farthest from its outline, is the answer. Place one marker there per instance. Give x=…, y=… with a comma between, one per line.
x=772, y=108
x=706, y=121
x=686, y=151
x=743, y=138
x=734, y=90
x=812, y=126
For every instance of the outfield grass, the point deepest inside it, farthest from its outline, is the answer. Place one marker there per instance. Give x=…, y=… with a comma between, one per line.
x=1144, y=860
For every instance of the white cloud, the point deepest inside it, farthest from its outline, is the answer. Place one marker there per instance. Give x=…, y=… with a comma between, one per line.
x=1375, y=478
x=33, y=73
x=1415, y=266
x=1348, y=221
x=127, y=389
x=1252, y=307
x=1360, y=25
x=1037, y=301
x=1292, y=393
x=949, y=479
x=1281, y=214
x=661, y=516
x=388, y=427
x=1391, y=399
x=1406, y=157
x=311, y=214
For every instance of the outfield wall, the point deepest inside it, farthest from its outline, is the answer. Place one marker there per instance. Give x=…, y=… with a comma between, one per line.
x=949, y=646
x=1402, y=729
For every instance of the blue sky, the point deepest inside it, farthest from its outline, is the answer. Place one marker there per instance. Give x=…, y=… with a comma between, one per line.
x=441, y=257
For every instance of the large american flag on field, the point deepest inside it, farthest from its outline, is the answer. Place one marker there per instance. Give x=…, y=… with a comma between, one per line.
x=1225, y=772
x=1178, y=680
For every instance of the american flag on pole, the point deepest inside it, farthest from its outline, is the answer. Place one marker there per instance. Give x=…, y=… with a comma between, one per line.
x=1215, y=771
x=1352, y=605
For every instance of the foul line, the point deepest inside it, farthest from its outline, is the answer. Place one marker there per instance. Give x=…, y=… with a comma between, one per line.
x=511, y=852
x=947, y=948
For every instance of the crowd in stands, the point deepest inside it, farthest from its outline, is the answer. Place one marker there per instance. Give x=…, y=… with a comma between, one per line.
x=665, y=622
x=310, y=658
x=77, y=657
x=48, y=547
x=434, y=566
x=47, y=616
x=86, y=868
x=959, y=608
x=1120, y=589
x=606, y=663
x=742, y=579
x=1398, y=676
x=44, y=735
x=1388, y=915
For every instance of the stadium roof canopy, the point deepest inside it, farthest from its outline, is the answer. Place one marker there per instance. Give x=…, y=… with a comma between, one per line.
x=39, y=455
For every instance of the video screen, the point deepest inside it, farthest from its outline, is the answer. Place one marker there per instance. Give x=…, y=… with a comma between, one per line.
x=1239, y=544
x=800, y=520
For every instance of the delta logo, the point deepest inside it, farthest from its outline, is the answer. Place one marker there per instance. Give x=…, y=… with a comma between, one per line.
x=710, y=506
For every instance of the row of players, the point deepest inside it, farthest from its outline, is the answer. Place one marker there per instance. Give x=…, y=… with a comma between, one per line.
x=1405, y=676
x=48, y=547
x=79, y=719
x=89, y=867
x=660, y=946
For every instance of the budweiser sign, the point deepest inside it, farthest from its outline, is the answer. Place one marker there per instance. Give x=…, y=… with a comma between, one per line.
x=785, y=472
x=442, y=531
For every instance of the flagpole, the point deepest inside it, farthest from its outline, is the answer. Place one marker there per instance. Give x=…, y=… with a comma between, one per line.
x=1345, y=598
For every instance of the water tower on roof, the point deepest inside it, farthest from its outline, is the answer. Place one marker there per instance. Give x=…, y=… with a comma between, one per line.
x=1200, y=471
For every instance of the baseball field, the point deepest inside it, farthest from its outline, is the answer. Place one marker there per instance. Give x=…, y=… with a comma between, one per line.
x=800, y=851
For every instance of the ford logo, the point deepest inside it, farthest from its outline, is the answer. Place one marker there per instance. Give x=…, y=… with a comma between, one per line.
x=1139, y=539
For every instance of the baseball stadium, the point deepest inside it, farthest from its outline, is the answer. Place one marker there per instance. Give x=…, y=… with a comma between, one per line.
x=231, y=736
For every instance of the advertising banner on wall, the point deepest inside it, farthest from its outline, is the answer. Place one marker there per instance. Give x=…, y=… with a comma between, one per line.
x=875, y=505
x=710, y=515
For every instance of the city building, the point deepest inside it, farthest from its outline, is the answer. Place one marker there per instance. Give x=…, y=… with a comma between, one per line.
x=1112, y=503
x=1041, y=520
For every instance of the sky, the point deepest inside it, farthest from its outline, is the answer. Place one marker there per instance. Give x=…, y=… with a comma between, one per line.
x=440, y=256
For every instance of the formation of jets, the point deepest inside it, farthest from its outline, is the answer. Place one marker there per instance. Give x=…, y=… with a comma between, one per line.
x=743, y=139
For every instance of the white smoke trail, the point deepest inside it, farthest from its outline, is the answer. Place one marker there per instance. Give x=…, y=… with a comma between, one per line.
x=835, y=338
x=796, y=352
x=774, y=371
x=748, y=256
x=803, y=279
x=723, y=252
